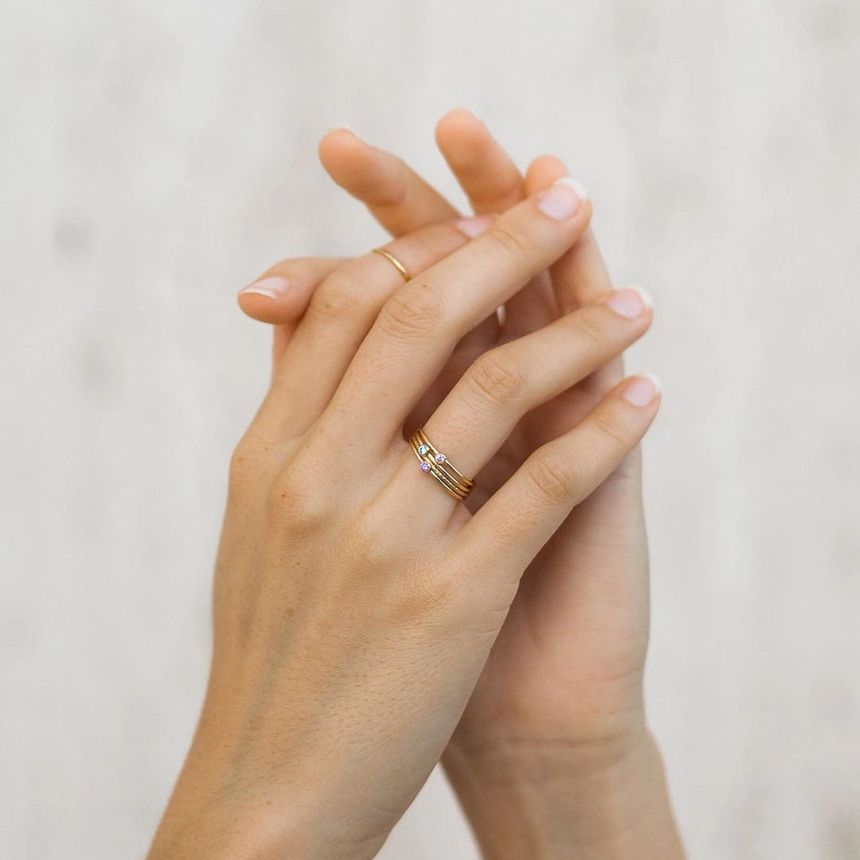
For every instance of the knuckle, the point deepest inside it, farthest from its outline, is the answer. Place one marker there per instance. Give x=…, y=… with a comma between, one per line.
x=413, y=311
x=552, y=477
x=418, y=247
x=427, y=592
x=247, y=463
x=369, y=538
x=611, y=433
x=510, y=240
x=588, y=333
x=297, y=503
x=497, y=378
x=336, y=297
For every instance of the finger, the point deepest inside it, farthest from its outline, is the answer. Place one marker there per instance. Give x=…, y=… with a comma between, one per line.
x=281, y=294
x=397, y=197
x=339, y=314
x=578, y=276
x=493, y=183
x=533, y=307
x=486, y=173
x=420, y=324
x=515, y=523
x=281, y=335
x=509, y=381
x=542, y=172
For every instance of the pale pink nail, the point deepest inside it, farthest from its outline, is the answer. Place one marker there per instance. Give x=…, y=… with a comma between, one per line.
x=630, y=302
x=474, y=226
x=563, y=199
x=273, y=287
x=641, y=390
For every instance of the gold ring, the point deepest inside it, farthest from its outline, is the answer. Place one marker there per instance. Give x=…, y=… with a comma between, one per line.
x=394, y=262
x=436, y=464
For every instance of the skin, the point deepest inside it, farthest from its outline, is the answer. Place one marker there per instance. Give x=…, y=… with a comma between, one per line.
x=553, y=750
x=356, y=602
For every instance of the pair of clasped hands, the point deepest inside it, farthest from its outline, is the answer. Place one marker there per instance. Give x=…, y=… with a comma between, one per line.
x=367, y=624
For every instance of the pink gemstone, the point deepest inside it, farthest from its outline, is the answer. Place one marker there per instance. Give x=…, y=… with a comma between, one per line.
x=425, y=467
x=440, y=458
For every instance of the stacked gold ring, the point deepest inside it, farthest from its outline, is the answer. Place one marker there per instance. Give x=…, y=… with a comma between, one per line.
x=436, y=464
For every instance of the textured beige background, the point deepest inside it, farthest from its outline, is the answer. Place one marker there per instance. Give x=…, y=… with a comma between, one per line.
x=156, y=155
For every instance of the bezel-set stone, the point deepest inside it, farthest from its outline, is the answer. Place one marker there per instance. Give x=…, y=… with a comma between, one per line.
x=425, y=467
x=423, y=449
x=440, y=458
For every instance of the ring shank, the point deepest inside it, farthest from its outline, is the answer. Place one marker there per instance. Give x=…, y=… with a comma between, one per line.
x=437, y=465
x=394, y=262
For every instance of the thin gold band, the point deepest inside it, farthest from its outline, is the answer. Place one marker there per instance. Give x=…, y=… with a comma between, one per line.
x=394, y=262
x=434, y=452
x=442, y=478
x=436, y=464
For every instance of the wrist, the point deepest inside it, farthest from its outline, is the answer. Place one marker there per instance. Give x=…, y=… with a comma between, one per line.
x=217, y=811
x=548, y=800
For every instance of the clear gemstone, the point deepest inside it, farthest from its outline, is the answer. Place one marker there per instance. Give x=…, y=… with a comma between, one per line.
x=425, y=467
x=440, y=458
x=423, y=449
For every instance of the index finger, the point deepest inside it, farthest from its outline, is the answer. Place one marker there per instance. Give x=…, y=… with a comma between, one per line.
x=422, y=322
x=397, y=197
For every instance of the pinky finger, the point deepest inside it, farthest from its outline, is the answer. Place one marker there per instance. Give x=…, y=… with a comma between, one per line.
x=281, y=294
x=515, y=523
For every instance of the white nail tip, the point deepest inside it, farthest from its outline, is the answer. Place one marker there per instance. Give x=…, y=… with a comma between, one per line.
x=575, y=184
x=260, y=291
x=646, y=297
x=655, y=381
x=272, y=287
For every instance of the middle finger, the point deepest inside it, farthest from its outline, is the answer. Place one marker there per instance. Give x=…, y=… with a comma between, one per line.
x=420, y=324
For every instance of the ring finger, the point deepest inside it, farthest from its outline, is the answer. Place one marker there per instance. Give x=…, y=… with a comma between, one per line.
x=505, y=383
x=339, y=314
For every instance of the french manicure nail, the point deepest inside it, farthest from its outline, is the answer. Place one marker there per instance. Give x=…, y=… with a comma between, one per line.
x=641, y=390
x=630, y=302
x=273, y=287
x=563, y=199
x=474, y=226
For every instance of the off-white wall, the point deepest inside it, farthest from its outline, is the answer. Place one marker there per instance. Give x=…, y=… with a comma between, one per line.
x=156, y=155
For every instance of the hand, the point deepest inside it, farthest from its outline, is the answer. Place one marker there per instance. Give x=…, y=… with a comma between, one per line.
x=355, y=600
x=564, y=680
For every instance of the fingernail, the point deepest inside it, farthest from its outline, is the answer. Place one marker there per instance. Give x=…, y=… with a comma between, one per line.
x=472, y=227
x=641, y=390
x=630, y=302
x=563, y=199
x=273, y=287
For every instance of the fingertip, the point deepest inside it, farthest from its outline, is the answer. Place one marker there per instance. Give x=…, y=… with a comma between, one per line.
x=459, y=119
x=543, y=171
x=641, y=390
x=343, y=154
x=655, y=381
x=461, y=136
x=267, y=300
x=338, y=137
x=256, y=306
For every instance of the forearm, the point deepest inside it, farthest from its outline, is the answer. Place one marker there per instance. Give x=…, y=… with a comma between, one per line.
x=549, y=802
